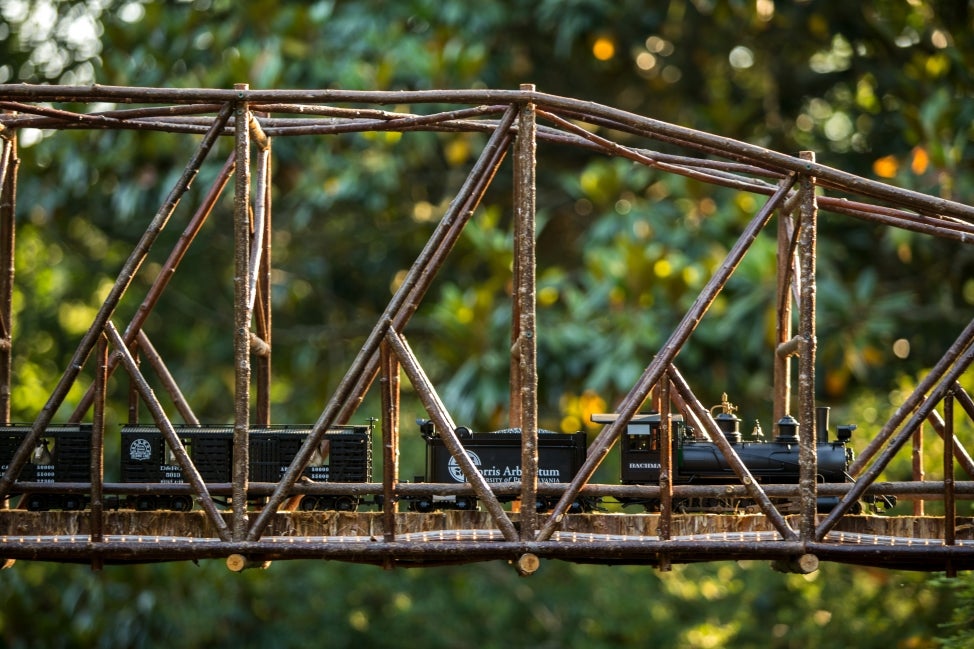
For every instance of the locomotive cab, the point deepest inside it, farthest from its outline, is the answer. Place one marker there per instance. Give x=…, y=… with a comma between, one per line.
x=641, y=443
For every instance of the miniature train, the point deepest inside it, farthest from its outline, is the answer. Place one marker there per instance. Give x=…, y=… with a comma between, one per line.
x=497, y=456
x=63, y=455
x=696, y=461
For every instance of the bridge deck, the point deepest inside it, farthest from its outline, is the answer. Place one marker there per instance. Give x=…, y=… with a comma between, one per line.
x=906, y=542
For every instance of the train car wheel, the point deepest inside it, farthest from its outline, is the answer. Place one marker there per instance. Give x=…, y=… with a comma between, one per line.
x=308, y=504
x=181, y=503
x=146, y=503
x=326, y=503
x=345, y=503
x=37, y=502
x=72, y=503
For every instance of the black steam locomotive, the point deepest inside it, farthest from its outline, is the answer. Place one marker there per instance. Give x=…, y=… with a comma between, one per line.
x=63, y=455
x=697, y=461
x=497, y=456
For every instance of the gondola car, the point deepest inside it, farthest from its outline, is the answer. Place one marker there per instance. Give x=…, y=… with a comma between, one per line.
x=497, y=455
x=62, y=454
x=146, y=458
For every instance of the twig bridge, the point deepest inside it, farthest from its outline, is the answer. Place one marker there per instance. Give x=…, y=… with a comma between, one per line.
x=513, y=122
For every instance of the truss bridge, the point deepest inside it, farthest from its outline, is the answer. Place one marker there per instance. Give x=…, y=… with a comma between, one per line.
x=86, y=513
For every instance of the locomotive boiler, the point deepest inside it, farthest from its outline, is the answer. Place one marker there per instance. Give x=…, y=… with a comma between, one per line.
x=696, y=461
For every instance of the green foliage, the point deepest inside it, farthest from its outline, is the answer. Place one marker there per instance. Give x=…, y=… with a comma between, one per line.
x=727, y=605
x=959, y=630
x=878, y=89
x=622, y=249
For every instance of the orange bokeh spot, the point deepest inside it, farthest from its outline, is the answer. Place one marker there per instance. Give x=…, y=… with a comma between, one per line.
x=920, y=160
x=885, y=167
x=603, y=49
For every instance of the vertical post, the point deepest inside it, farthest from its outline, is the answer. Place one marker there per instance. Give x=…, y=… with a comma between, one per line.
x=390, y=439
x=950, y=503
x=98, y=447
x=263, y=288
x=665, y=468
x=918, y=474
x=133, y=394
x=242, y=312
x=787, y=279
x=807, y=454
x=525, y=402
x=8, y=198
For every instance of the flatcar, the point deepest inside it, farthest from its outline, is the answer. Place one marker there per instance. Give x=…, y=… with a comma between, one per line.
x=497, y=456
x=696, y=461
x=146, y=458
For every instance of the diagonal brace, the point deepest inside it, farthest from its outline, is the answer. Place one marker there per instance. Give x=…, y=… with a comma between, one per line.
x=168, y=432
x=603, y=443
x=431, y=401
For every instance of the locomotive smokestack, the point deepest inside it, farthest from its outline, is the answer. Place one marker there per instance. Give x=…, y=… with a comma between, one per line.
x=822, y=424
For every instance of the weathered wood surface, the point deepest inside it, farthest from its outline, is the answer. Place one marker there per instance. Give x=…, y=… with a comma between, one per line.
x=20, y=523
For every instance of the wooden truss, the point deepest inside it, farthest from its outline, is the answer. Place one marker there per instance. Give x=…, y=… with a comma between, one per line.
x=794, y=188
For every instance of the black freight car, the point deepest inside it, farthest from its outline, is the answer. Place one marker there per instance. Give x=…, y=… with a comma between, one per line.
x=62, y=454
x=346, y=456
x=497, y=455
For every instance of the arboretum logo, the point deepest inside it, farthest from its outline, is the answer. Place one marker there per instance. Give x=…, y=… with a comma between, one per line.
x=454, y=468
